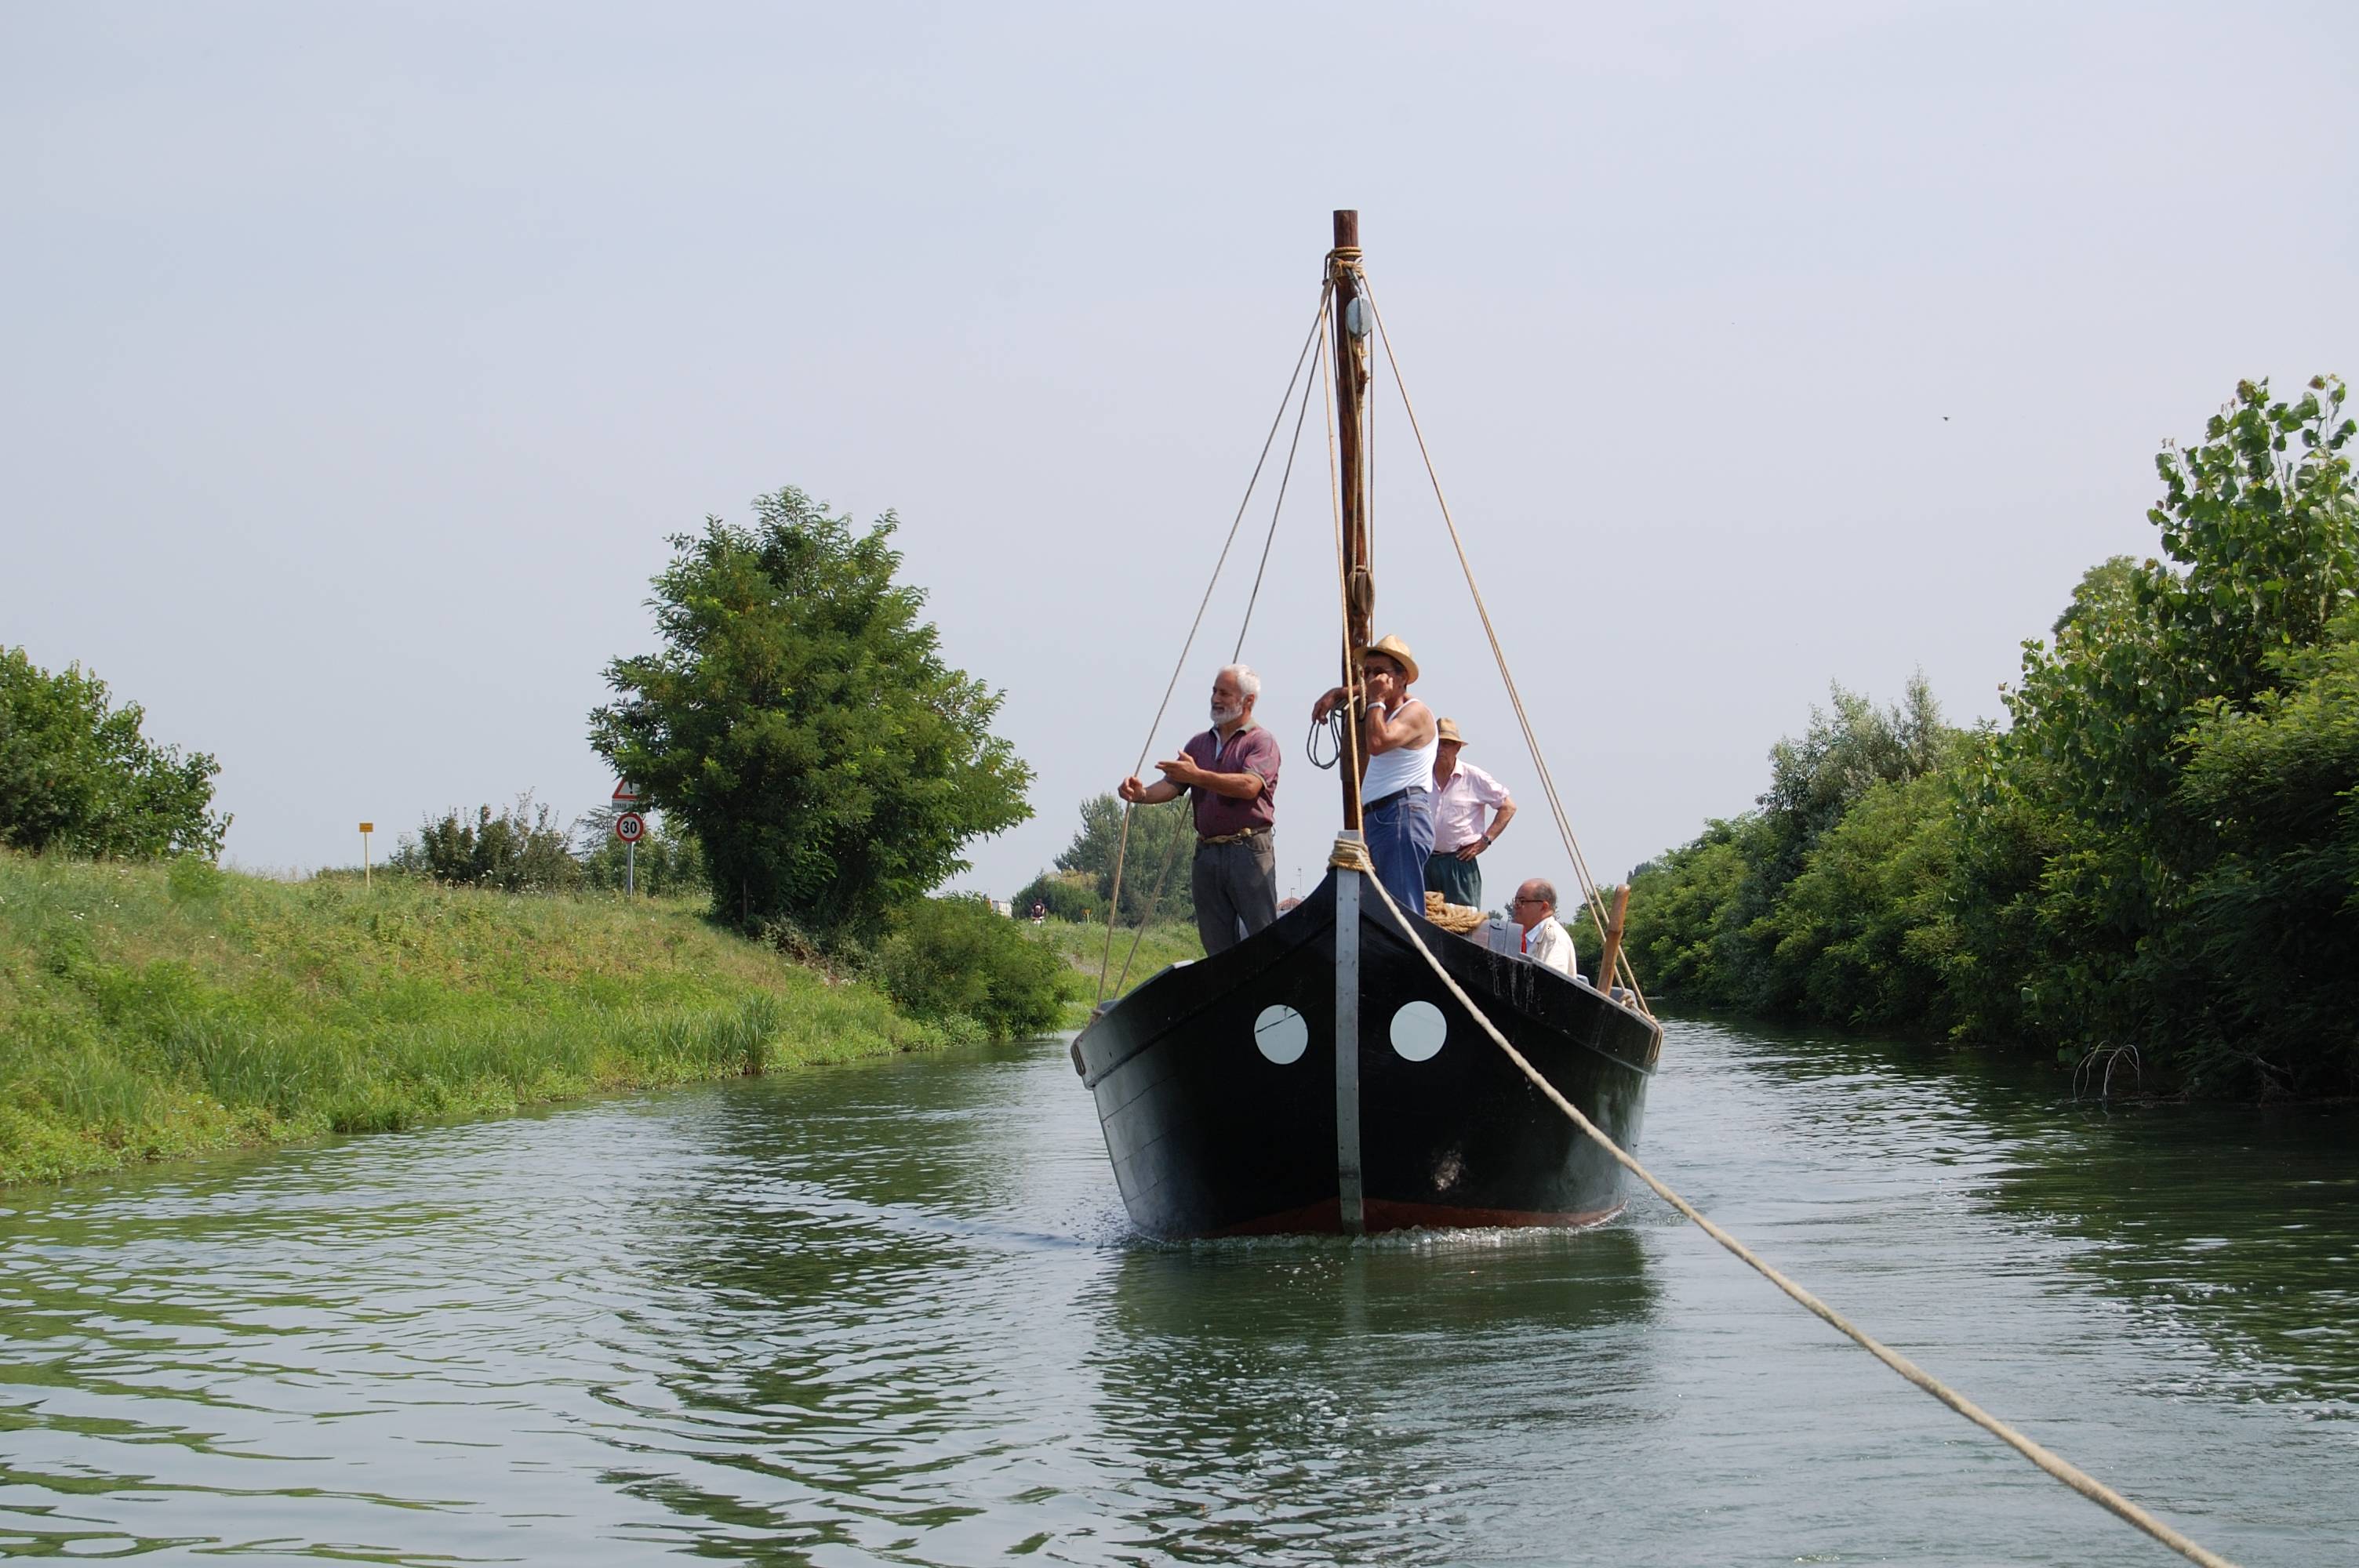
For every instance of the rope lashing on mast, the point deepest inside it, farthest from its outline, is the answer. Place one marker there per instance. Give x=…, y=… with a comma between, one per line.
x=1351, y=855
x=1122, y=843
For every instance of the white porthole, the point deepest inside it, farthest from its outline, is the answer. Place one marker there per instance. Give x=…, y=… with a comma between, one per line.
x=1280, y=1033
x=1418, y=1030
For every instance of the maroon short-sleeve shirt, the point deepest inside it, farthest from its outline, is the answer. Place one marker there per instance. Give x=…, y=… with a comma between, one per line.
x=1252, y=750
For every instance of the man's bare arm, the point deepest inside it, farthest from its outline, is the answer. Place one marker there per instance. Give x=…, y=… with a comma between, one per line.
x=1180, y=773
x=1386, y=732
x=1155, y=794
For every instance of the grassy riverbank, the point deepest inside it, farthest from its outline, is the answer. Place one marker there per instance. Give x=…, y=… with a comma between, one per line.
x=1084, y=944
x=147, y=1013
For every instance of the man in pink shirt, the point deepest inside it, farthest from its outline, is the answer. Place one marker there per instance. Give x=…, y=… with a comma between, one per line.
x=1462, y=793
x=1232, y=770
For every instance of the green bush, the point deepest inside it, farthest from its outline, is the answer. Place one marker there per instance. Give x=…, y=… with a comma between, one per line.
x=77, y=778
x=521, y=849
x=946, y=959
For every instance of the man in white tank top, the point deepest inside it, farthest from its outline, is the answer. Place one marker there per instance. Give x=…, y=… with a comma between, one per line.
x=1396, y=786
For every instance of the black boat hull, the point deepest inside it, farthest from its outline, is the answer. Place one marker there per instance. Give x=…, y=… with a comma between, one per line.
x=1220, y=1113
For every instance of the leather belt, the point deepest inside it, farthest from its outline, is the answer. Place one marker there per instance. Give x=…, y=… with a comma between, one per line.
x=1239, y=837
x=1379, y=803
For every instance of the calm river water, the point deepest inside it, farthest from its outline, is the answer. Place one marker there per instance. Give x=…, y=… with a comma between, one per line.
x=890, y=1314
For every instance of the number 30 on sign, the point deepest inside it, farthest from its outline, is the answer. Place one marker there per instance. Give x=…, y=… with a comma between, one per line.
x=630, y=827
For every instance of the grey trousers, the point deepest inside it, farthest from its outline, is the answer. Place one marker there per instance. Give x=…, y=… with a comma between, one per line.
x=1235, y=889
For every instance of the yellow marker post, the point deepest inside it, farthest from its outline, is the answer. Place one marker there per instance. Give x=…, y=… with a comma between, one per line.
x=366, y=829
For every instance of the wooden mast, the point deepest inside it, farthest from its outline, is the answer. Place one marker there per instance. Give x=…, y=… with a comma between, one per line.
x=1359, y=616
x=1359, y=584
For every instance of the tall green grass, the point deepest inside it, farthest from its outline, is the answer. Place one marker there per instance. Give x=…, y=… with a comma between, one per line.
x=1163, y=944
x=147, y=1012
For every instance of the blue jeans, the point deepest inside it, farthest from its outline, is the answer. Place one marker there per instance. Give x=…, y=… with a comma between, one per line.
x=1400, y=836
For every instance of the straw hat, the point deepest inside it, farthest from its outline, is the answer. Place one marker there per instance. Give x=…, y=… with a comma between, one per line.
x=1448, y=730
x=1397, y=651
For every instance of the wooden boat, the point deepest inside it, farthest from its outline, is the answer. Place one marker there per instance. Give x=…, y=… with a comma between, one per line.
x=1319, y=1076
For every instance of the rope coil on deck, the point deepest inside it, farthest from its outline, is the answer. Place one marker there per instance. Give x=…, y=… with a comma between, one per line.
x=1349, y=854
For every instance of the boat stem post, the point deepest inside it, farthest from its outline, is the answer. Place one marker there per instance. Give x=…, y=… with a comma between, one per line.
x=1612, y=956
x=1350, y=1189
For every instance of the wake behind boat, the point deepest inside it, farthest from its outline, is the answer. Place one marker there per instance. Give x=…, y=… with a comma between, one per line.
x=1320, y=1077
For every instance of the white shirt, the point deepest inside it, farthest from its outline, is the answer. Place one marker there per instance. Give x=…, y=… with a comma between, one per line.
x=1547, y=943
x=1458, y=810
x=1403, y=767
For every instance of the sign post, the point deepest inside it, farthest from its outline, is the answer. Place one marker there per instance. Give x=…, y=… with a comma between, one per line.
x=366, y=829
x=630, y=827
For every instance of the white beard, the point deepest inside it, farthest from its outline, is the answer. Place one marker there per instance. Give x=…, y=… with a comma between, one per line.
x=1226, y=715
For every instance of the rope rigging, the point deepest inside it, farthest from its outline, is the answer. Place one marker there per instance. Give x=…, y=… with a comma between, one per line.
x=1343, y=743
x=1122, y=844
x=1531, y=739
x=1350, y=854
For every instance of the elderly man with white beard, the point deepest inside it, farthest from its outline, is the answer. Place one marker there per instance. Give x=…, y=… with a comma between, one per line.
x=1232, y=770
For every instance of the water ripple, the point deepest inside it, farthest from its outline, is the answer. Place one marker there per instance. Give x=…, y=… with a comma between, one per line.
x=892, y=1313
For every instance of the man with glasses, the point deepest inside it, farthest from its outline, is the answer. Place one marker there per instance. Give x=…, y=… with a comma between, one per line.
x=1532, y=929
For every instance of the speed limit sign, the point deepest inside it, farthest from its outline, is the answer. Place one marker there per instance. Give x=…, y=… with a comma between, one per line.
x=630, y=827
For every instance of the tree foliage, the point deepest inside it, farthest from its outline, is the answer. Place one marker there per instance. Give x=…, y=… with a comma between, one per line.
x=2275, y=911
x=78, y=777
x=801, y=723
x=1162, y=839
x=2159, y=852
x=1065, y=895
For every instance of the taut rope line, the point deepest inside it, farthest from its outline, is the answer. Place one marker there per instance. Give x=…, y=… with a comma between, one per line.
x=1171, y=855
x=1351, y=854
x=1122, y=845
x=1515, y=698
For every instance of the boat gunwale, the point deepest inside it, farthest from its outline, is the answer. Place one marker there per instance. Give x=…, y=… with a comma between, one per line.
x=1091, y=1080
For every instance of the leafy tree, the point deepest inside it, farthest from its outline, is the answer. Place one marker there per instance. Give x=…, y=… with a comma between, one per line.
x=2260, y=521
x=800, y=721
x=2274, y=918
x=1864, y=933
x=1160, y=836
x=2262, y=531
x=77, y=776
x=1850, y=747
x=1678, y=908
x=1067, y=895
x=518, y=849
x=2160, y=852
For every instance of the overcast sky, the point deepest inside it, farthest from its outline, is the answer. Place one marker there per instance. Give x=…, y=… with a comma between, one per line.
x=358, y=361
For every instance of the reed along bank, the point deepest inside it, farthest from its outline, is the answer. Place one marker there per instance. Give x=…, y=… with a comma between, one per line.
x=153, y=1010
